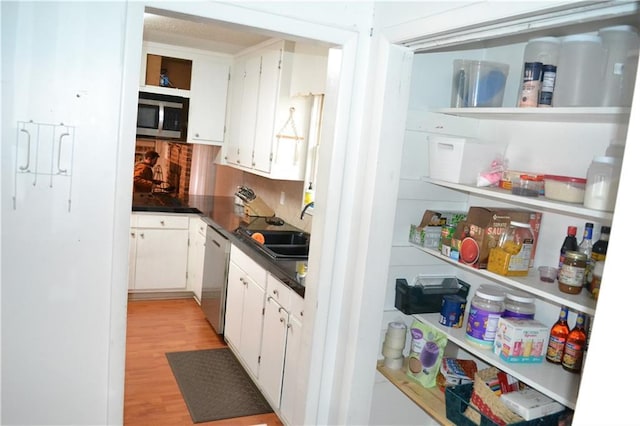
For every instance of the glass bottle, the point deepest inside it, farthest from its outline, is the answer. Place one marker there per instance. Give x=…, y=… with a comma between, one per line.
x=573, y=353
x=598, y=256
x=558, y=337
x=570, y=243
x=585, y=246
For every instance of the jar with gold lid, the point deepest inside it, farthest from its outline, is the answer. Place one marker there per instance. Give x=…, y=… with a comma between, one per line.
x=571, y=275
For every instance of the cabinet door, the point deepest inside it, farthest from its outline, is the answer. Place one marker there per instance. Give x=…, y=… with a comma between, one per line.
x=132, y=259
x=272, y=357
x=161, y=259
x=251, y=339
x=267, y=104
x=207, y=105
x=195, y=264
x=245, y=81
x=291, y=369
x=234, y=306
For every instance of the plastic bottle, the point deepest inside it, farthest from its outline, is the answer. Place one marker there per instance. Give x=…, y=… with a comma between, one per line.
x=603, y=178
x=585, y=246
x=580, y=72
x=573, y=353
x=570, y=244
x=598, y=256
x=308, y=194
x=558, y=337
x=618, y=41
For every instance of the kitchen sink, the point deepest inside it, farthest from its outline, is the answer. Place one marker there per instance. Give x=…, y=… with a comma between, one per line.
x=280, y=244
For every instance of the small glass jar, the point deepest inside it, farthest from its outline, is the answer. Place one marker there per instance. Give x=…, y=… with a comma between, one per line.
x=519, y=305
x=487, y=307
x=571, y=275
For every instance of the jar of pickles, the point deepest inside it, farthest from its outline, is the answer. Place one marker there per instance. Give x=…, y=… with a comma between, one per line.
x=513, y=253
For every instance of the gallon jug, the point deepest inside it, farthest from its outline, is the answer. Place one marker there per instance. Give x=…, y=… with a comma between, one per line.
x=602, y=183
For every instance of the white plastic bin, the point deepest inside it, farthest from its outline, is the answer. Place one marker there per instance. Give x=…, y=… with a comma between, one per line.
x=459, y=160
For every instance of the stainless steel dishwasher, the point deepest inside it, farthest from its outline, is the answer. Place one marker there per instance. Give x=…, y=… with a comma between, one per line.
x=214, y=281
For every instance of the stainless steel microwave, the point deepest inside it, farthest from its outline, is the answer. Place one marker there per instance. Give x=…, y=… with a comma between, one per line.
x=162, y=116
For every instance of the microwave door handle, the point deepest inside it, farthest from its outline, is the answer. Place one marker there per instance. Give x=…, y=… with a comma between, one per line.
x=160, y=118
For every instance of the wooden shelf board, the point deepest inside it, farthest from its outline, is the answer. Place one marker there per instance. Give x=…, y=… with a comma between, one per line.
x=431, y=400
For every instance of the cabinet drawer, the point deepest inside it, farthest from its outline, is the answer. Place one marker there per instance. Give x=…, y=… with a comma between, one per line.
x=163, y=221
x=278, y=291
x=249, y=266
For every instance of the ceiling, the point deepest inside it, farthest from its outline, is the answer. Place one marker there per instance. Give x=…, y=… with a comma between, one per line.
x=197, y=33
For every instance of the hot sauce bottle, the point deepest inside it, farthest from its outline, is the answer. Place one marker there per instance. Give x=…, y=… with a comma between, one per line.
x=558, y=337
x=573, y=354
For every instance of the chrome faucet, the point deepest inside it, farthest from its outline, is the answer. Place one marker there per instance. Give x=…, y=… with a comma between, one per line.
x=305, y=209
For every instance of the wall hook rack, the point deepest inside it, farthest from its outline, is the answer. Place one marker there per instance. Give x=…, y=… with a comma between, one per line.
x=43, y=156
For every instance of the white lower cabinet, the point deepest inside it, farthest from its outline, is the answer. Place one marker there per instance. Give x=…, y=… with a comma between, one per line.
x=195, y=263
x=158, y=252
x=245, y=301
x=263, y=327
x=291, y=399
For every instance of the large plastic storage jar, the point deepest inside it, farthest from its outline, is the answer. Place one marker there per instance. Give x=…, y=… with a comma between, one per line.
x=487, y=307
x=580, y=72
x=619, y=43
x=603, y=178
x=519, y=305
x=542, y=49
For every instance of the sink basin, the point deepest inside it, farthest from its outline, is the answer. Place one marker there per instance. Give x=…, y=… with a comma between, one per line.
x=280, y=244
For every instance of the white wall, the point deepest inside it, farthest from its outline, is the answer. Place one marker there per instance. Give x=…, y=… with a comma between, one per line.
x=64, y=256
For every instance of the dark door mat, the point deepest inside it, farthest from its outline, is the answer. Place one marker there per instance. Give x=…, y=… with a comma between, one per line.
x=215, y=386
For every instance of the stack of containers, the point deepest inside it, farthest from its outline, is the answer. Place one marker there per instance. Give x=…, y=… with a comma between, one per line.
x=393, y=346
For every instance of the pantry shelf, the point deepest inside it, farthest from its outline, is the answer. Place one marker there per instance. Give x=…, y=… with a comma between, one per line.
x=531, y=284
x=547, y=378
x=431, y=400
x=572, y=115
x=536, y=202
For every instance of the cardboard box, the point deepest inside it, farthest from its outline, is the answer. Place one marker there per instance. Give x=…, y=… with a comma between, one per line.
x=521, y=340
x=530, y=404
x=483, y=228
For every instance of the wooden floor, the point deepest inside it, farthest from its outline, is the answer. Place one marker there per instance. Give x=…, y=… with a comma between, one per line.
x=151, y=395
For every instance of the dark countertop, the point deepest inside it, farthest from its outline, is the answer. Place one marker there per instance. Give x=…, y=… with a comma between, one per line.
x=222, y=214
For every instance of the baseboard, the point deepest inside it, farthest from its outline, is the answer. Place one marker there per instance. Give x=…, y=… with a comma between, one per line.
x=160, y=295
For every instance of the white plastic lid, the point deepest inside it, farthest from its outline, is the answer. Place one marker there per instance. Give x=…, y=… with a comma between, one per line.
x=545, y=40
x=622, y=28
x=582, y=37
x=608, y=160
x=517, y=296
x=490, y=292
x=397, y=325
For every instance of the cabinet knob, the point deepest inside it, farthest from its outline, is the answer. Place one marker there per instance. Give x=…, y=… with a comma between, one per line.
x=197, y=135
x=288, y=325
x=162, y=222
x=133, y=234
x=142, y=235
x=301, y=313
x=275, y=292
x=282, y=320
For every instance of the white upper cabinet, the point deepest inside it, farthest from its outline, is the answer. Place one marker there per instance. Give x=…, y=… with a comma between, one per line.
x=199, y=75
x=268, y=117
x=208, y=100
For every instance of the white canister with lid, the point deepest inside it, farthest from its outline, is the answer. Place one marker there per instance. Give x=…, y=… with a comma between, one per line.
x=487, y=307
x=620, y=42
x=580, y=72
x=603, y=178
x=519, y=305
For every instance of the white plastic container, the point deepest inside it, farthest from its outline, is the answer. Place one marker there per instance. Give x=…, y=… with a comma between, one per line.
x=602, y=183
x=580, y=72
x=619, y=42
x=542, y=49
x=459, y=160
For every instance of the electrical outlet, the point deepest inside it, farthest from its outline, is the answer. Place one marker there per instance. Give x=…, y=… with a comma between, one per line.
x=282, y=198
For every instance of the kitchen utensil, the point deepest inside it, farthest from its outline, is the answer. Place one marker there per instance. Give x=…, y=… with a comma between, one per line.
x=254, y=205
